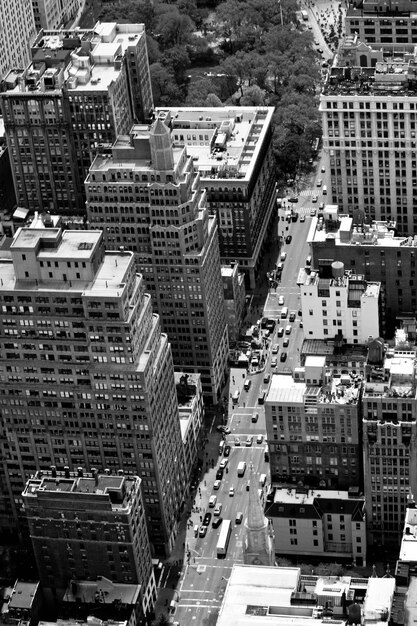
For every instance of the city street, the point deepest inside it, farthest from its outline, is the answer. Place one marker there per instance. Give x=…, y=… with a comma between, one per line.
x=203, y=578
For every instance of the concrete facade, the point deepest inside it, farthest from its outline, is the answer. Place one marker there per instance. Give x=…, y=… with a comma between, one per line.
x=87, y=376
x=18, y=31
x=232, y=151
x=234, y=300
x=50, y=14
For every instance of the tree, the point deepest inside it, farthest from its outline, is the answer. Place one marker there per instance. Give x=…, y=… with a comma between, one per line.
x=199, y=90
x=174, y=28
x=178, y=60
x=212, y=101
x=164, y=88
x=253, y=96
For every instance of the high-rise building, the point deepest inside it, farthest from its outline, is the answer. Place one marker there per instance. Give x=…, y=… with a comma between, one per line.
x=388, y=25
x=374, y=251
x=50, y=14
x=369, y=112
x=389, y=441
x=234, y=299
x=343, y=304
x=312, y=424
x=232, y=152
x=147, y=197
x=81, y=89
x=86, y=376
x=18, y=31
x=84, y=526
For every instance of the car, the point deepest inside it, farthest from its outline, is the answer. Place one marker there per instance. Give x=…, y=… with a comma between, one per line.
x=267, y=378
x=217, y=484
x=320, y=50
x=249, y=441
x=283, y=256
x=216, y=522
x=224, y=429
x=227, y=450
x=223, y=463
x=231, y=491
x=207, y=519
x=302, y=218
x=259, y=439
x=293, y=199
x=314, y=199
x=288, y=239
x=300, y=313
x=288, y=329
x=218, y=510
x=219, y=474
x=281, y=301
x=267, y=333
x=292, y=316
x=323, y=169
x=283, y=357
x=286, y=342
x=275, y=348
x=237, y=441
x=319, y=182
x=316, y=43
x=313, y=212
x=203, y=531
x=248, y=485
x=255, y=417
x=274, y=362
x=212, y=501
x=280, y=332
x=239, y=517
x=301, y=324
x=321, y=206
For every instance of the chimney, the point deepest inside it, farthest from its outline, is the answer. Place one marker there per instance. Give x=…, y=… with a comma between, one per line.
x=67, y=471
x=80, y=471
x=53, y=471
x=107, y=471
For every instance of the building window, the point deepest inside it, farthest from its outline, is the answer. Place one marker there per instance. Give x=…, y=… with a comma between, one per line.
x=294, y=542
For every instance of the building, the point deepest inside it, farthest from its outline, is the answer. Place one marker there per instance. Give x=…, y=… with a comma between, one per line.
x=312, y=425
x=51, y=14
x=81, y=89
x=90, y=621
x=232, y=151
x=344, y=304
x=390, y=26
x=87, y=377
x=389, y=434
x=322, y=524
x=102, y=597
x=234, y=299
x=22, y=604
x=408, y=549
x=18, y=31
x=191, y=412
x=258, y=546
x=83, y=527
x=374, y=251
x=341, y=358
x=369, y=108
x=157, y=209
x=280, y=596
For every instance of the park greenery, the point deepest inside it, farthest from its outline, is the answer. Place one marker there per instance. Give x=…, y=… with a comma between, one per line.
x=239, y=52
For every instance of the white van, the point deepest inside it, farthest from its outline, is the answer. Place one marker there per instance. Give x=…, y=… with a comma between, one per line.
x=324, y=190
x=262, y=480
x=241, y=468
x=212, y=501
x=284, y=312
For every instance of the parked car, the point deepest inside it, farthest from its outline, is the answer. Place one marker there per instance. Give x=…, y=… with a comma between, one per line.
x=288, y=239
x=275, y=348
x=219, y=474
x=223, y=463
x=293, y=199
x=226, y=450
x=203, y=531
x=274, y=362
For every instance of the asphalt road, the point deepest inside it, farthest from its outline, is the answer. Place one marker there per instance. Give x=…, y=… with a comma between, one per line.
x=200, y=590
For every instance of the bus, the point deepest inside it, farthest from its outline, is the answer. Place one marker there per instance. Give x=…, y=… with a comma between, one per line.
x=224, y=538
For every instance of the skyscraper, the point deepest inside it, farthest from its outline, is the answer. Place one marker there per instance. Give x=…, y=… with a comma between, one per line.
x=81, y=89
x=17, y=28
x=86, y=376
x=369, y=112
x=146, y=196
x=54, y=13
x=85, y=526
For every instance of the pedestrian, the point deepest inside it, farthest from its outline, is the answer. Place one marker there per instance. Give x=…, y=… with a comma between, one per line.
x=201, y=518
x=205, y=484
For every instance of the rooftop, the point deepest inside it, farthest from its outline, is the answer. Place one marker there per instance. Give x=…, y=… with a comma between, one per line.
x=22, y=595
x=108, y=591
x=80, y=60
x=408, y=550
x=342, y=389
x=224, y=142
